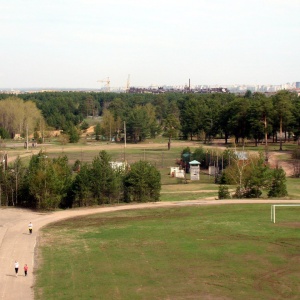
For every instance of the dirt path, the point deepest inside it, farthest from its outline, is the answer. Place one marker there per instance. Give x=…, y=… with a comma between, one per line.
x=17, y=244
x=287, y=166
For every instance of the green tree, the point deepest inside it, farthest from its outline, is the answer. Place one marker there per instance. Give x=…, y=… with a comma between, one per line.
x=259, y=115
x=137, y=124
x=48, y=180
x=118, y=108
x=249, y=173
x=153, y=124
x=238, y=121
x=283, y=110
x=80, y=193
x=103, y=179
x=200, y=154
x=171, y=127
x=160, y=104
x=224, y=116
x=74, y=135
x=278, y=185
x=108, y=125
x=296, y=117
x=257, y=178
x=248, y=94
x=142, y=183
x=97, y=131
x=193, y=117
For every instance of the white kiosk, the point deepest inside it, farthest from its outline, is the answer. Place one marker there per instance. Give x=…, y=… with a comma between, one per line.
x=195, y=169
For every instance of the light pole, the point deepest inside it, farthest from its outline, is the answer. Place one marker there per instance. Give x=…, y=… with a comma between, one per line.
x=124, y=141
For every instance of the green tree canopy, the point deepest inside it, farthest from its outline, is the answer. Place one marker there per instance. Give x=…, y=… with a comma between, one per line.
x=142, y=183
x=17, y=116
x=48, y=180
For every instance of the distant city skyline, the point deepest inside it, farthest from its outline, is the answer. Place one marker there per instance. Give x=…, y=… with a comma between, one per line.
x=238, y=89
x=73, y=44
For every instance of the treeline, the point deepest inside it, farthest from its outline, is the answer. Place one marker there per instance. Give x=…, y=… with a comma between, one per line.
x=51, y=183
x=188, y=116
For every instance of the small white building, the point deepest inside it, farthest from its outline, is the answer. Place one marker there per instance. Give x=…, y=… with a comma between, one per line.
x=176, y=172
x=194, y=170
x=118, y=165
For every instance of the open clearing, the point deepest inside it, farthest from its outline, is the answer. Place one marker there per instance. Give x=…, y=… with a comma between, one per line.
x=202, y=252
x=16, y=243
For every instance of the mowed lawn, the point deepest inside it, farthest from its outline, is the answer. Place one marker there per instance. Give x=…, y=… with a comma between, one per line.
x=194, y=252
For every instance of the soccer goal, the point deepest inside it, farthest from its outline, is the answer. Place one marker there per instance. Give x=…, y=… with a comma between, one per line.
x=273, y=209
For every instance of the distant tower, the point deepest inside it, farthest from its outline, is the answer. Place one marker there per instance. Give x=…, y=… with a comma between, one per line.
x=298, y=85
x=128, y=84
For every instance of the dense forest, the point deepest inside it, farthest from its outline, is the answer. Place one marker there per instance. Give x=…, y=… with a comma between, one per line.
x=188, y=116
x=50, y=183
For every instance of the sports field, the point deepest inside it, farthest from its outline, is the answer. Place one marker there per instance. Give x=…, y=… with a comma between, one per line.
x=194, y=252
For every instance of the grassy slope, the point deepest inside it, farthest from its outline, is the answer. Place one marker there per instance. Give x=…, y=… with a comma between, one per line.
x=217, y=252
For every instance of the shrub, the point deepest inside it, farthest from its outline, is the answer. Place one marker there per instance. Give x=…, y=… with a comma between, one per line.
x=223, y=192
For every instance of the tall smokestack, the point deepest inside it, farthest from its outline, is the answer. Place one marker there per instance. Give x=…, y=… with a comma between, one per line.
x=189, y=84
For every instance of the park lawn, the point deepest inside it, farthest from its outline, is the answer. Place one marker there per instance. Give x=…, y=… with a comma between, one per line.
x=293, y=188
x=195, y=252
x=183, y=196
x=159, y=157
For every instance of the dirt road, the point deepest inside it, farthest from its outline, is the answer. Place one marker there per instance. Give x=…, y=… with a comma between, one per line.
x=17, y=244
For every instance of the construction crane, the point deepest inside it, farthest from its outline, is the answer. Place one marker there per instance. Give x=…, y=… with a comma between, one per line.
x=107, y=84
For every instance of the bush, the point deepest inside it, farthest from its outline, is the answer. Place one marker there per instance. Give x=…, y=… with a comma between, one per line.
x=4, y=134
x=223, y=192
x=252, y=192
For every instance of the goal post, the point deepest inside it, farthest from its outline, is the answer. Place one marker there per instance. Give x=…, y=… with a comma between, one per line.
x=273, y=209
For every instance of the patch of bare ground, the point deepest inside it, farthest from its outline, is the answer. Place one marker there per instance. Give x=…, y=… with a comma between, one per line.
x=182, y=192
x=201, y=296
x=277, y=280
x=286, y=165
x=291, y=224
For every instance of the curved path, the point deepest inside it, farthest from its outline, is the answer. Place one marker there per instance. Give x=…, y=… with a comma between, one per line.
x=17, y=244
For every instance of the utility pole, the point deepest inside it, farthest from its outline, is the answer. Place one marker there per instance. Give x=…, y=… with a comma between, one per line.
x=27, y=136
x=124, y=141
x=109, y=130
x=124, y=134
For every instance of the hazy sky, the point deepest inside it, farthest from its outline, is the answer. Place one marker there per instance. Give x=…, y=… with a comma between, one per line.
x=74, y=43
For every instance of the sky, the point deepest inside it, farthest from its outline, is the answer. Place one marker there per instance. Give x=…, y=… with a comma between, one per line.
x=75, y=43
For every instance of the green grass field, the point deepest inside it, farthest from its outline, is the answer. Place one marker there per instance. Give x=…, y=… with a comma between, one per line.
x=195, y=252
